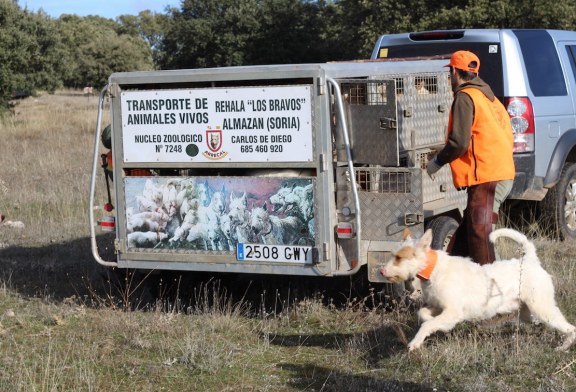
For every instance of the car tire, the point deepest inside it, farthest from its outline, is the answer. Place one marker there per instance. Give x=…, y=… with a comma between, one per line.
x=559, y=206
x=443, y=228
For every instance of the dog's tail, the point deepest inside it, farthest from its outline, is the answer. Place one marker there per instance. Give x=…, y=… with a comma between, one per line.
x=529, y=248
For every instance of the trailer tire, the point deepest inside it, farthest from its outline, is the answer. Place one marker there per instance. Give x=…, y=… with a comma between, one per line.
x=559, y=206
x=443, y=228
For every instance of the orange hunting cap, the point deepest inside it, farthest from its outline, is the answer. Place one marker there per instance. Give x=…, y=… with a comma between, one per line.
x=464, y=60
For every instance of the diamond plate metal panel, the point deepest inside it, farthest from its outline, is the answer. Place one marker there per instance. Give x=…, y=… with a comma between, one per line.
x=370, y=142
x=440, y=189
x=370, y=107
x=393, y=115
x=384, y=207
x=423, y=101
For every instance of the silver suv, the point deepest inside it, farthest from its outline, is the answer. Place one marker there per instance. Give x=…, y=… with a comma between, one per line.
x=533, y=72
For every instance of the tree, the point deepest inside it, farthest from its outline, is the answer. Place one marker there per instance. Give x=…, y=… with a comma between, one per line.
x=38, y=52
x=545, y=14
x=373, y=18
x=30, y=52
x=149, y=26
x=366, y=20
x=209, y=33
x=295, y=31
x=98, y=48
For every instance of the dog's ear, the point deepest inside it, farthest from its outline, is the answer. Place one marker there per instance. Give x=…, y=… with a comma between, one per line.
x=426, y=239
x=406, y=234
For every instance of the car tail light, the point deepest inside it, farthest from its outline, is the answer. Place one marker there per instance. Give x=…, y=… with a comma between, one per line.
x=522, y=118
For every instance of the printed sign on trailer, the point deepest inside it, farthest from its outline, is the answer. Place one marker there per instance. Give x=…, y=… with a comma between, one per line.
x=248, y=124
x=268, y=218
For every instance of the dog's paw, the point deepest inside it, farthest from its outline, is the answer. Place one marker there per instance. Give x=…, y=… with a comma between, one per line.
x=413, y=346
x=568, y=342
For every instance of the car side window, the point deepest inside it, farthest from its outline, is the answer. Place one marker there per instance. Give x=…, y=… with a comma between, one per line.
x=571, y=49
x=542, y=63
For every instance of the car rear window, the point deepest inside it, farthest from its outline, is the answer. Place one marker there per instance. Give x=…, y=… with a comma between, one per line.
x=487, y=52
x=542, y=63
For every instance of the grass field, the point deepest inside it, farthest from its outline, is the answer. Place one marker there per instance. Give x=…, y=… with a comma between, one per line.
x=67, y=324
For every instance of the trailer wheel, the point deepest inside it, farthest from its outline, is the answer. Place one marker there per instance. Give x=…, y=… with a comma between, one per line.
x=443, y=228
x=559, y=206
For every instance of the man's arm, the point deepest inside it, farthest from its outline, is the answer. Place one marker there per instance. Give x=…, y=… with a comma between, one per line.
x=459, y=139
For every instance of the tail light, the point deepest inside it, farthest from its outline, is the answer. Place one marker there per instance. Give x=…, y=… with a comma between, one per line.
x=345, y=230
x=108, y=223
x=522, y=119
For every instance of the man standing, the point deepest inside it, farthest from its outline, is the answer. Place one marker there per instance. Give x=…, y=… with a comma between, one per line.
x=479, y=151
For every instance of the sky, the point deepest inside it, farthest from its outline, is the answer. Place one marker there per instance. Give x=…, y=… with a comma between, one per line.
x=105, y=8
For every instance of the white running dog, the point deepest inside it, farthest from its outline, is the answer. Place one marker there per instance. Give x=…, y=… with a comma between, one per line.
x=455, y=289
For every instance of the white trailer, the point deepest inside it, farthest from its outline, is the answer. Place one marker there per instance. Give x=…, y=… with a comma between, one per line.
x=309, y=169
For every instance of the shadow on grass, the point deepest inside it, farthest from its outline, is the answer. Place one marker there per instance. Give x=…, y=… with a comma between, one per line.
x=314, y=377
x=58, y=270
x=384, y=342
x=67, y=269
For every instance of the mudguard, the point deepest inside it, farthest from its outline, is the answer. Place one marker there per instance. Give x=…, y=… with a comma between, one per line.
x=563, y=148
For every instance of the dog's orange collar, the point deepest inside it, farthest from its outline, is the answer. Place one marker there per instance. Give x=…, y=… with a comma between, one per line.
x=431, y=259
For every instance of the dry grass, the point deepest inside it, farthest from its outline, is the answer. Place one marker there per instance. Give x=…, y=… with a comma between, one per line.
x=67, y=325
x=46, y=165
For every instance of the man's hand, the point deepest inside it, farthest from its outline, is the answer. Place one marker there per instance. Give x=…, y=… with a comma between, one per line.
x=432, y=167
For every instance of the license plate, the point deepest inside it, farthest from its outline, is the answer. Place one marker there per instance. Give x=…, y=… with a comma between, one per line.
x=275, y=253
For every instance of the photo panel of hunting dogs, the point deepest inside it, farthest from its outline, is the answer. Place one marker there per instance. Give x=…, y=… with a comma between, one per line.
x=216, y=213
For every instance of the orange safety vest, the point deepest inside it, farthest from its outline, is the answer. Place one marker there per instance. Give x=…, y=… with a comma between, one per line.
x=489, y=155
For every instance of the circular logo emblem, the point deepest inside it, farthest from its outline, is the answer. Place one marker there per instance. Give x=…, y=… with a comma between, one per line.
x=192, y=150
